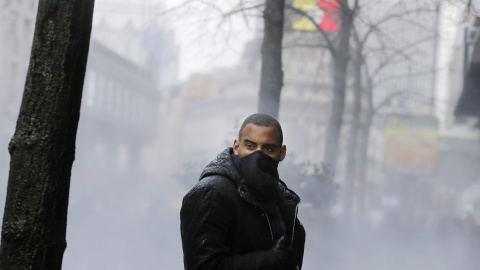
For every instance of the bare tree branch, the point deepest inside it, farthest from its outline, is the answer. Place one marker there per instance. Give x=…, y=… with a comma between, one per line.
x=401, y=52
x=388, y=18
x=243, y=9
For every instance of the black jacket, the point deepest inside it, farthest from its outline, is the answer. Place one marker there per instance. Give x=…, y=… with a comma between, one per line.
x=223, y=227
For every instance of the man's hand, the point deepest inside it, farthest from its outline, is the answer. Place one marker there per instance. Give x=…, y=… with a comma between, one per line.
x=283, y=253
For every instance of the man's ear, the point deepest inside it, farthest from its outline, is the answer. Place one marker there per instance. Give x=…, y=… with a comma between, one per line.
x=283, y=152
x=236, y=145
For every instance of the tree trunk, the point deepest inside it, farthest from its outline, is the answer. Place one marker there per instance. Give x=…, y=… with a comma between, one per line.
x=43, y=147
x=340, y=61
x=363, y=161
x=363, y=147
x=350, y=169
x=271, y=80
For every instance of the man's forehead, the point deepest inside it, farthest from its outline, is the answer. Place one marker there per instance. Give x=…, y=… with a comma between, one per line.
x=252, y=132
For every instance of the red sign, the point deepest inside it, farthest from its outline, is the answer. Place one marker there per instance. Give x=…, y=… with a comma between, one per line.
x=319, y=13
x=330, y=18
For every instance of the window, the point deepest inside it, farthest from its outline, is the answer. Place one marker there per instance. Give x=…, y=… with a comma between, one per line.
x=100, y=92
x=118, y=99
x=90, y=88
x=109, y=95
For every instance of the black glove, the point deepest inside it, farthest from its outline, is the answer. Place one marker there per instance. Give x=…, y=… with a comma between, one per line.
x=283, y=253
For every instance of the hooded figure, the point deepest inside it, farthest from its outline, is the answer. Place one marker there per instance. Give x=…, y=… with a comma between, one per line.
x=240, y=215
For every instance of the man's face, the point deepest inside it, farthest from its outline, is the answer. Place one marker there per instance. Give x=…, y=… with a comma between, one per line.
x=265, y=139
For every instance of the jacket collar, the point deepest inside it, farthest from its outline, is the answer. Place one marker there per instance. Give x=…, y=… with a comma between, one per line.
x=223, y=165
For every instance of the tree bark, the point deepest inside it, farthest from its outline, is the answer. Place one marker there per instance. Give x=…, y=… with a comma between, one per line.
x=271, y=80
x=363, y=161
x=340, y=61
x=368, y=113
x=350, y=169
x=43, y=147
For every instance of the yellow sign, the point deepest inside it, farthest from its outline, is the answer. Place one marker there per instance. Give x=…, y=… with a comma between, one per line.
x=411, y=143
x=311, y=8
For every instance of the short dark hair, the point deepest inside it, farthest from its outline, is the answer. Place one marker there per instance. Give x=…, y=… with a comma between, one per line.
x=263, y=120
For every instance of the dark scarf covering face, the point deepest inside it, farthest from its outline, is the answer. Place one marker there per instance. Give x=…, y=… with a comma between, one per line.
x=259, y=172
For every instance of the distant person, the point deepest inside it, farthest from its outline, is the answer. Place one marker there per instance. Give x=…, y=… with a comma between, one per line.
x=240, y=215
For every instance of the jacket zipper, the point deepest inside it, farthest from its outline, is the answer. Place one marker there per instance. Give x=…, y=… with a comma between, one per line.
x=268, y=220
x=294, y=220
x=269, y=225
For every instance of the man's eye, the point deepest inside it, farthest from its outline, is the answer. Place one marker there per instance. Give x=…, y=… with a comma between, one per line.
x=249, y=145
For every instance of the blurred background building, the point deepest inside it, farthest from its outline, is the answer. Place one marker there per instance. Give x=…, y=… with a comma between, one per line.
x=131, y=70
x=16, y=30
x=462, y=133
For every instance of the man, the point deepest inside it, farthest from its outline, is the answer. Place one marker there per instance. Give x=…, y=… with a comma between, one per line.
x=240, y=215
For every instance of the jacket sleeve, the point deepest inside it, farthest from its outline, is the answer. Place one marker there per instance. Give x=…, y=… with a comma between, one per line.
x=207, y=227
